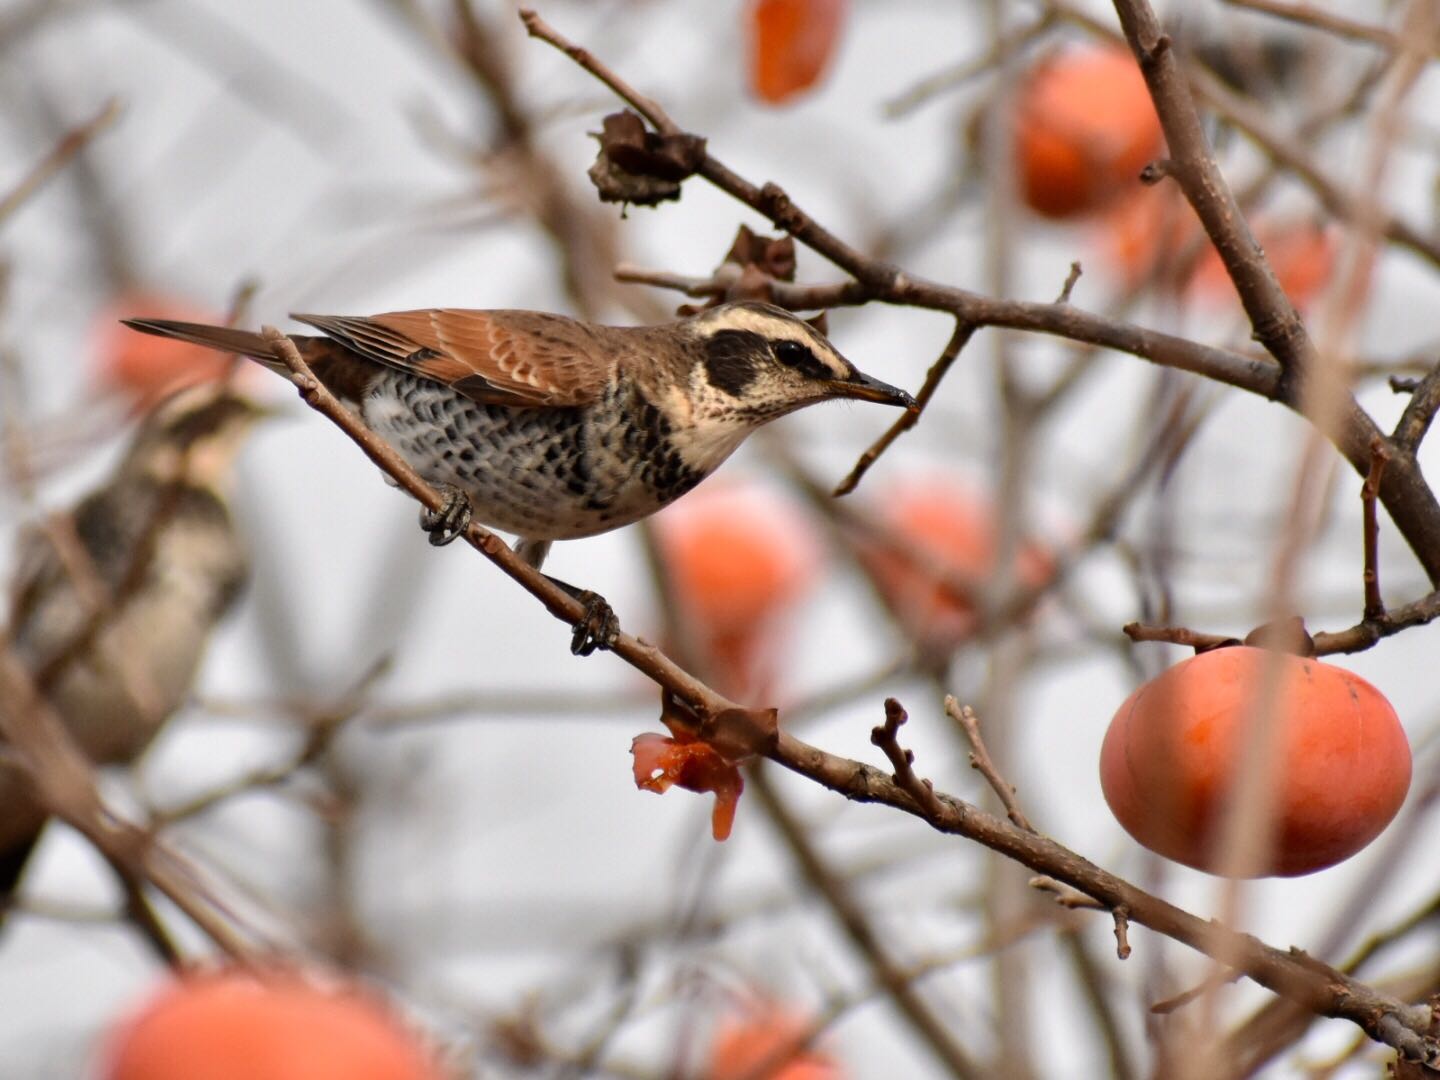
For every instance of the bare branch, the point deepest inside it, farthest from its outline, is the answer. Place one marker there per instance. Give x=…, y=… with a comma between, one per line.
x=1121, y=916
x=1374, y=603
x=1328, y=21
x=64, y=151
x=910, y=417
x=980, y=761
x=1404, y=493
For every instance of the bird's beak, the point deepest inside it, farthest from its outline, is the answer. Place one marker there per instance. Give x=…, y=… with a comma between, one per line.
x=862, y=387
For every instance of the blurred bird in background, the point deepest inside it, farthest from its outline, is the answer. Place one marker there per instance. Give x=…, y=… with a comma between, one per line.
x=112, y=604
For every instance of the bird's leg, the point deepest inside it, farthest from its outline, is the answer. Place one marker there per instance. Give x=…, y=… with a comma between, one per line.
x=598, y=627
x=533, y=551
x=451, y=520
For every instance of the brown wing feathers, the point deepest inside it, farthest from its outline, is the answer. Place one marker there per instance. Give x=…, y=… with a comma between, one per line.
x=517, y=358
x=413, y=342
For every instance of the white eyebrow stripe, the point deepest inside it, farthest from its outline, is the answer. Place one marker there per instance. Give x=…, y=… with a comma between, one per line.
x=778, y=328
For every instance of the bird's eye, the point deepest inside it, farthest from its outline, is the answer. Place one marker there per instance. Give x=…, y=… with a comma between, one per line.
x=793, y=354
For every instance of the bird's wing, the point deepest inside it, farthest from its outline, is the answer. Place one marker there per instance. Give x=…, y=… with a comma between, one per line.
x=46, y=600
x=517, y=358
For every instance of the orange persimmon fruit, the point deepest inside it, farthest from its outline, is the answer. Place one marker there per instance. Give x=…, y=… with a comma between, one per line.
x=232, y=1025
x=739, y=560
x=1143, y=238
x=790, y=44
x=947, y=541
x=1171, y=757
x=1083, y=128
x=1301, y=253
x=767, y=1041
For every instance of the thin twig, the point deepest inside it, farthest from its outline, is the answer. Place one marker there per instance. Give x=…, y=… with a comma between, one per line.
x=1176, y=635
x=1424, y=401
x=1216, y=980
x=1326, y=20
x=1367, y=632
x=1071, y=280
x=931, y=86
x=981, y=762
x=793, y=296
x=1121, y=917
x=1374, y=603
x=1065, y=895
x=887, y=738
x=64, y=151
x=910, y=417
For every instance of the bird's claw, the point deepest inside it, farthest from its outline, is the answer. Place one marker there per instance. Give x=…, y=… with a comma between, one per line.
x=598, y=627
x=449, y=522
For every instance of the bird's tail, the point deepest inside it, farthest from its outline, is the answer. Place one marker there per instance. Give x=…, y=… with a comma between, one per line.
x=224, y=338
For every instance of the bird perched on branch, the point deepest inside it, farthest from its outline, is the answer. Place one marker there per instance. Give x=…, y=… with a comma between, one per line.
x=112, y=603
x=550, y=428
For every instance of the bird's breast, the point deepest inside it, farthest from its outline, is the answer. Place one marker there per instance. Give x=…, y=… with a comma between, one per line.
x=546, y=473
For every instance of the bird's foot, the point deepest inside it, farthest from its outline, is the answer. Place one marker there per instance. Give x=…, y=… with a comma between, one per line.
x=598, y=627
x=451, y=520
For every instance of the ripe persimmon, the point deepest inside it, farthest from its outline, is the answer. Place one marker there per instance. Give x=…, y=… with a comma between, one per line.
x=1171, y=758
x=767, y=1041
x=946, y=544
x=1083, y=129
x=790, y=44
x=1302, y=254
x=739, y=560
x=1144, y=237
x=145, y=368
x=232, y=1025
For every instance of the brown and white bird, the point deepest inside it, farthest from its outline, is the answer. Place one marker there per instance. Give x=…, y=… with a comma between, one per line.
x=114, y=645
x=550, y=428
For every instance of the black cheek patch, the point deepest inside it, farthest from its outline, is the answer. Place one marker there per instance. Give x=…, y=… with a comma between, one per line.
x=732, y=358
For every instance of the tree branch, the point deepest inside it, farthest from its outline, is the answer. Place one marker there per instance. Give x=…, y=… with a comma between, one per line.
x=1404, y=493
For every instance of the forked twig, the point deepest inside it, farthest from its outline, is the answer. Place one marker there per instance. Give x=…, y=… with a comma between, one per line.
x=910, y=417
x=980, y=760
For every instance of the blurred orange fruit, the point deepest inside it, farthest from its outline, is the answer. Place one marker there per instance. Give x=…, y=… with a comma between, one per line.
x=947, y=542
x=1084, y=127
x=1302, y=254
x=790, y=44
x=739, y=560
x=1143, y=237
x=233, y=1025
x=769, y=1043
x=145, y=368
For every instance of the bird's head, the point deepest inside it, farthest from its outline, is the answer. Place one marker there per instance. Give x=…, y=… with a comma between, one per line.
x=193, y=435
x=758, y=362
